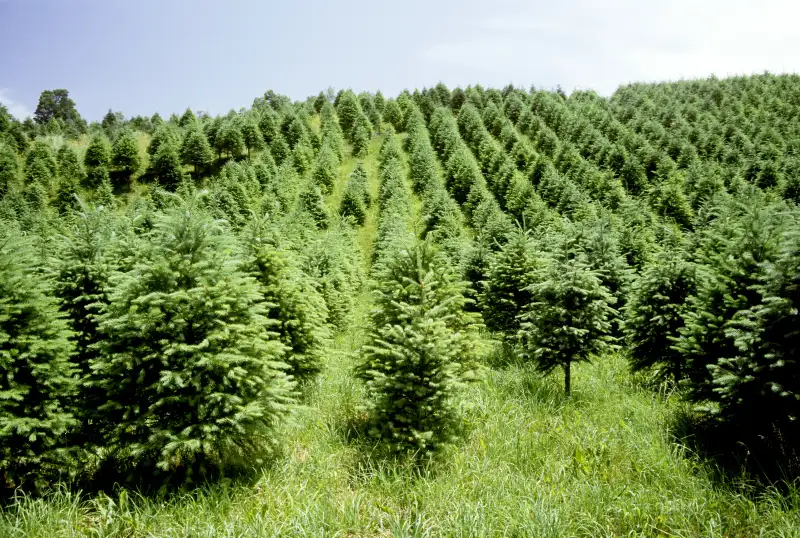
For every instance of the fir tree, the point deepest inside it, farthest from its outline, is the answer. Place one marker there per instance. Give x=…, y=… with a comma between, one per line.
x=125, y=154
x=196, y=150
x=280, y=149
x=253, y=139
x=291, y=300
x=507, y=291
x=326, y=169
x=209, y=384
x=361, y=138
x=654, y=315
x=313, y=203
x=420, y=352
x=352, y=204
x=187, y=119
x=35, y=350
x=96, y=160
x=230, y=139
x=166, y=167
x=165, y=134
x=568, y=319
x=9, y=168
x=69, y=166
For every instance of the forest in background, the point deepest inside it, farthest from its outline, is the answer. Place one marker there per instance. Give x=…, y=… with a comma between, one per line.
x=342, y=314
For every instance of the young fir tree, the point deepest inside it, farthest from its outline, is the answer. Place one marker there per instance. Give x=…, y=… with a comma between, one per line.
x=165, y=134
x=208, y=383
x=352, y=204
x=69, y=166
x=166, y=167
x=361, y=138
x=654, y=314
x=196, y=151
x=9, y=168
x=125, y=155
x=187, y=119
x=96, y=160
x=253, y=139
x=280, y=149
x=81, y=271
x=506, y=291
x=313, y=203
x=291, y=300
x=37, y=378
x=420, y=352
x=326, y=169
x=759, y=390
x=230, y=139
x=568, y=319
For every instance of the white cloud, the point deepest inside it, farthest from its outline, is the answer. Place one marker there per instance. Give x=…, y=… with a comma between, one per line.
x=585, y=43
x=15, y=108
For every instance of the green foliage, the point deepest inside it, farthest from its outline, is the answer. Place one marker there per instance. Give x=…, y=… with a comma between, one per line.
x=506, y=291
x=37, y=378
x=279, y=149
x=655, y=313
x=166, y=166
x=420, y=353
x=253, y=139
x=164, y=134
x=313, y=203
x=209, y=385
x=57, y=105
x=187, y=119
x=326, y=170
x=98, y=153
x=360, y=138
x=291, y=300
x=393, y=115
x=9, y=168
x=125, y=154
x=568, y=319
x=196, y=150
x=230, y=139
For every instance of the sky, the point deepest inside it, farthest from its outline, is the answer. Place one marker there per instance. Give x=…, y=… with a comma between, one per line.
x=146, y=56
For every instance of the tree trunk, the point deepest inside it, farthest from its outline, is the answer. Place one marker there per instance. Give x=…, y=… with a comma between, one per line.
x=567, y=380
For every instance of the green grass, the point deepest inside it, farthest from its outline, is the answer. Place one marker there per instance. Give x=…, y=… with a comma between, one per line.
x=530, y=463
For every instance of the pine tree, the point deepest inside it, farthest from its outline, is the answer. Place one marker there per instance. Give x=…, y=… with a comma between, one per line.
x=253, y=139
x=568, y=319
x=81, y=273
x=507, y=291
x=313, y=203
x=166, y=167
x=187, y=119
x=69, y=166
x=96, y=160
x=361, y=137
x=280, y=149
x=9, y=168
x=269, y=125
x=165, y=134
x=35, y=350
x=230, y=139
x=352, y=204
x=196, y=150
x=393, y=115
x=125, y=154
x=326, y=170
x=654, y=315
x=291, y=300
x=420, y=352
x=209, y=384
x=66, y=199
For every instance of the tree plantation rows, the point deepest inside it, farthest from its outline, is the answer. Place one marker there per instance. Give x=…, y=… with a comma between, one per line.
x=170, y=290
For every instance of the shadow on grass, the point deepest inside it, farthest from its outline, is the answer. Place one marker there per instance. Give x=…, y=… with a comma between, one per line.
x=748, y=460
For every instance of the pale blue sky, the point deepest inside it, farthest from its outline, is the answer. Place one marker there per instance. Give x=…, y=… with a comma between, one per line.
x=147, y=56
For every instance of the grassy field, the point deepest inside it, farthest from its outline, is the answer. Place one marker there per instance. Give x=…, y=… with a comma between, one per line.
x=530, y=463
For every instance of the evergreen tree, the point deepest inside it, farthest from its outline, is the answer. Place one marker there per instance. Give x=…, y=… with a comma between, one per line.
x=209, y=384
x=125, y=154
x=393, y=115
x=37, y=379
x=96, y=160
x=361, y=138
x=506, y=291
x=164, y=134
x=326, y=169
x=313, y=203
x=568, y=319
x=420, y=352
x=187, y=119
x=279, y=149
x=69, y=166
x=166, y=167
x=291, y=300
x=230, y=139
x=196, y=150
x=269, y=125
x=352, y=204
x=9, y=168
x=66, y=196
x=654, y=315
x=253, y=139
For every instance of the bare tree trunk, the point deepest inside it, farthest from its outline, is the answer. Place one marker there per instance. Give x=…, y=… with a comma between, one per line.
x=567, y=380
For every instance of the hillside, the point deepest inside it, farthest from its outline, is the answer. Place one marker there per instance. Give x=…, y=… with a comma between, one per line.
x=467, y=312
